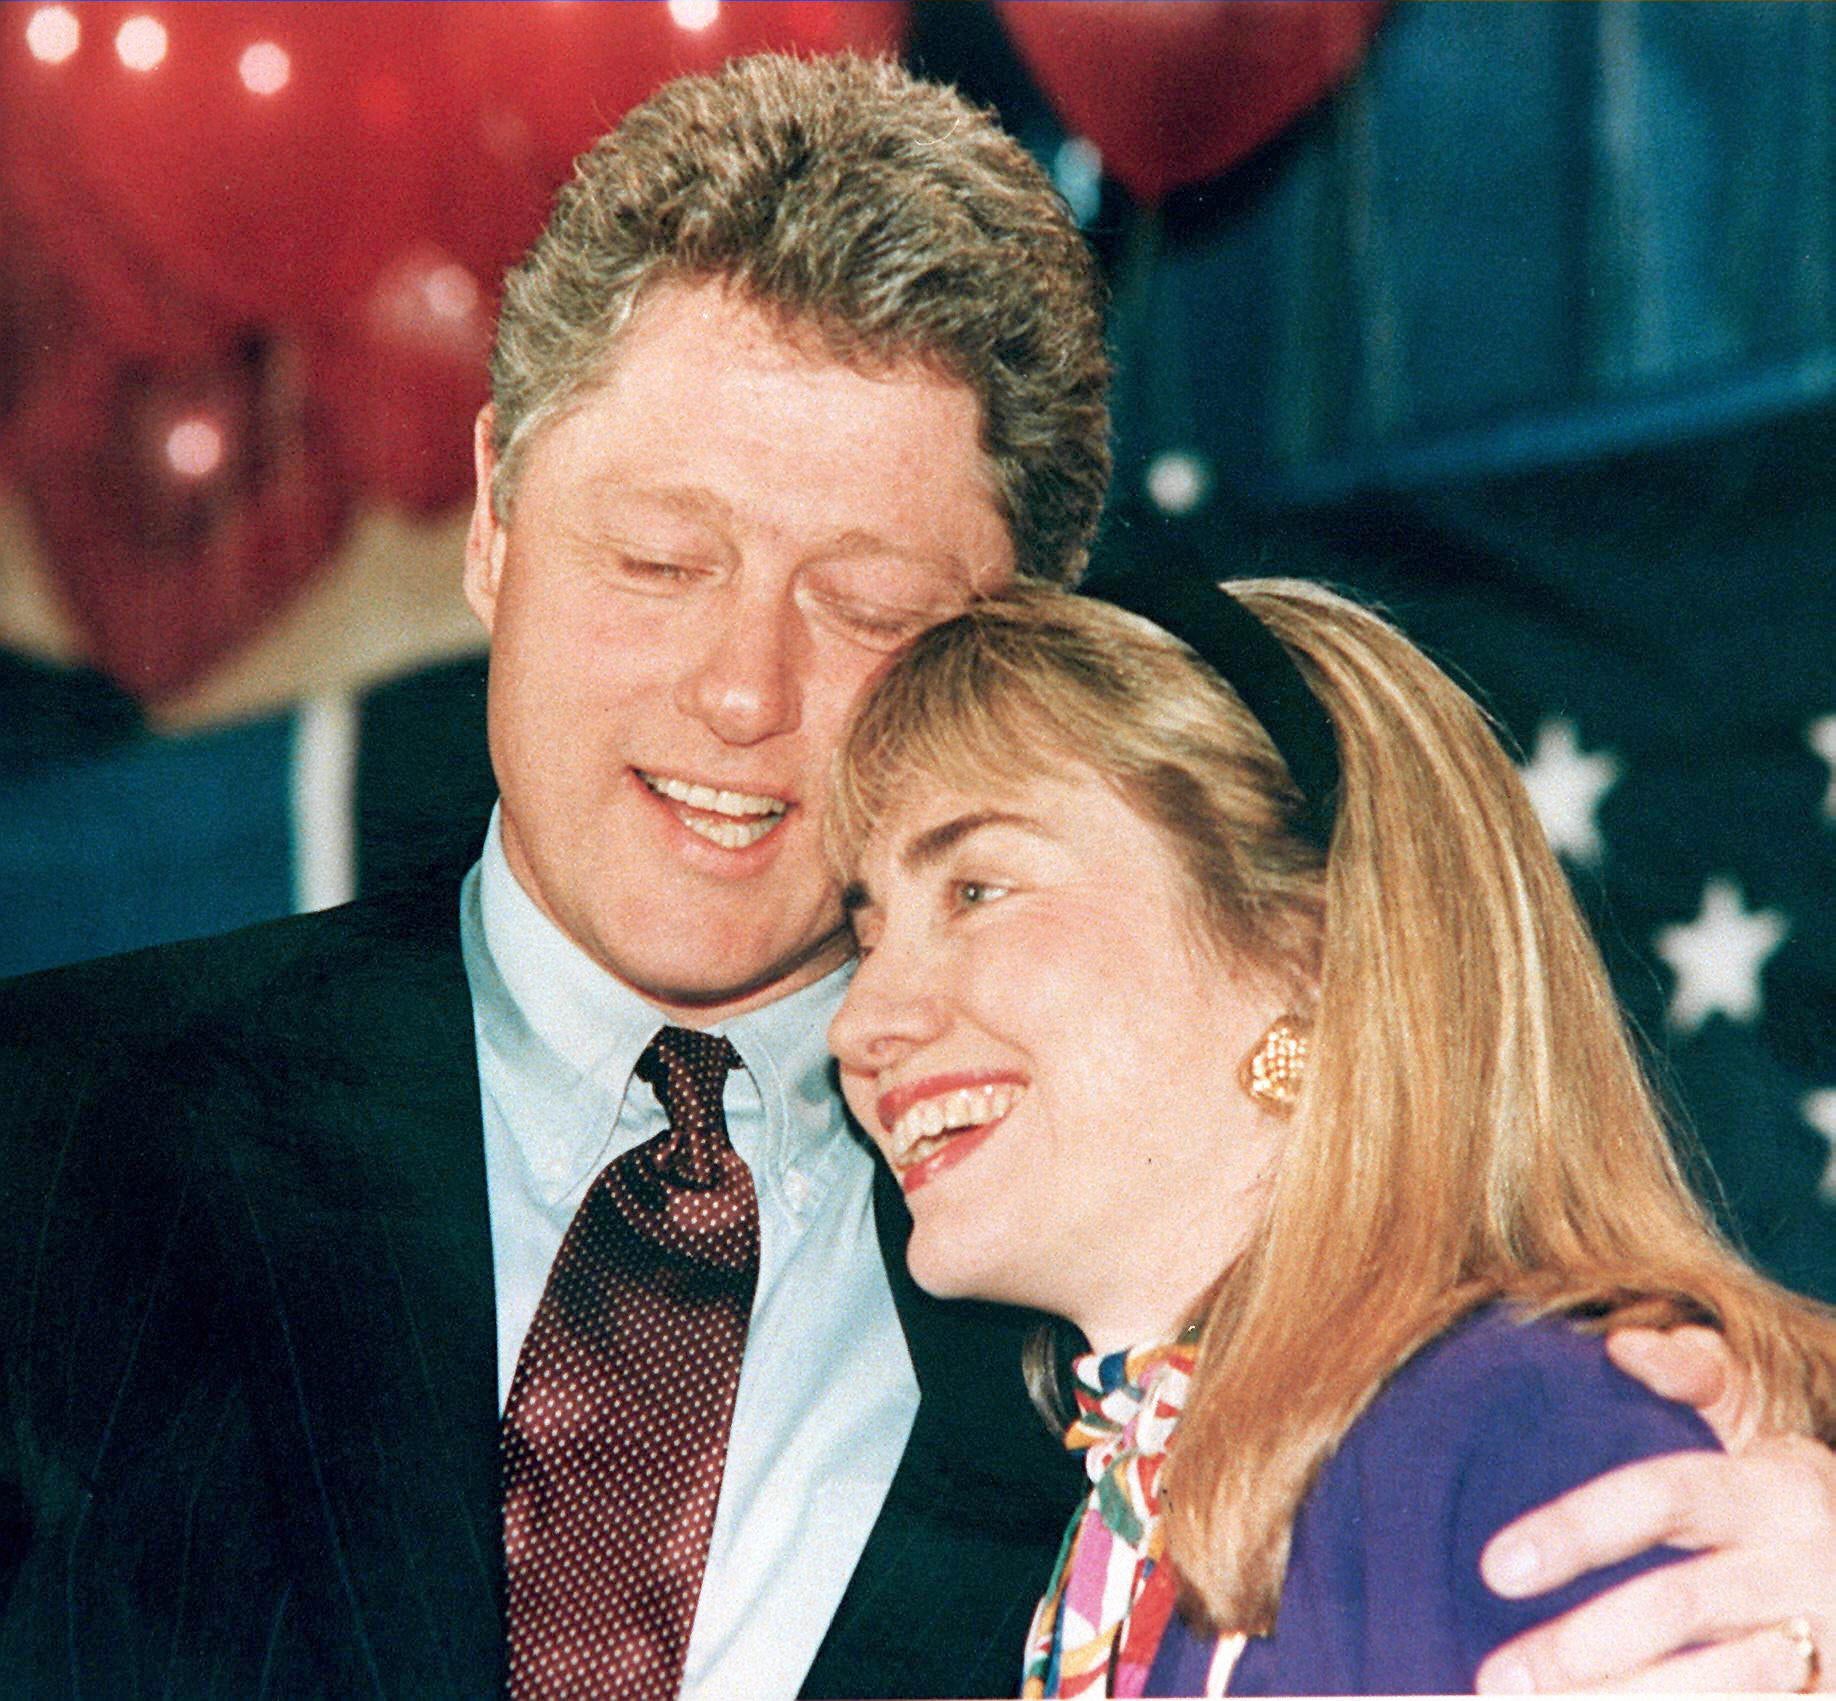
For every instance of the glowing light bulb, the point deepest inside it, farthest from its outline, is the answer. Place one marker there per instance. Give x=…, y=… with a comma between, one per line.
x=451, y=291
x=52, y=34
x=1177, y=482
x=194, y=447
x=264, y=68
x=693, y=14
x=141, y=42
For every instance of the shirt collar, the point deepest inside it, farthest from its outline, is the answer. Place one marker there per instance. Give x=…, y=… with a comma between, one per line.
x=785, y=1048
x=569, y=1035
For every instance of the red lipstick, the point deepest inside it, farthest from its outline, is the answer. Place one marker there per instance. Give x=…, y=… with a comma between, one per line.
x=947, y=1156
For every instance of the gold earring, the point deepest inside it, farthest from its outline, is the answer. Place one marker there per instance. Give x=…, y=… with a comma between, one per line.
x=1274, y=1070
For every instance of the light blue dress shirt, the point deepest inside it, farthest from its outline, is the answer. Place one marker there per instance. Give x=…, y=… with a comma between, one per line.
x=826, y=1394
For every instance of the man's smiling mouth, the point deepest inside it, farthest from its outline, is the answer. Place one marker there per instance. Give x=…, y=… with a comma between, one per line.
x=731, y=819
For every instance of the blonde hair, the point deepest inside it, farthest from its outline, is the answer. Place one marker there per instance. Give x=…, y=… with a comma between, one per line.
x=1474, y=1125
x=880, y=214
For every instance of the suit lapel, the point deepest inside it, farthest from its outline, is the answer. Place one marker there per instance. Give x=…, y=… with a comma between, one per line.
x=351, y=1151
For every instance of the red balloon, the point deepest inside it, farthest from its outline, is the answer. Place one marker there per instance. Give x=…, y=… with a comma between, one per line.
x=335, y=188
x=1175, y=91
x=178, y=502
x=241, y=202
x=404, y=380
x=393, y=123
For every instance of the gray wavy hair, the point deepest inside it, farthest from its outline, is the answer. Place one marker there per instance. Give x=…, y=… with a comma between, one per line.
x=881, y=213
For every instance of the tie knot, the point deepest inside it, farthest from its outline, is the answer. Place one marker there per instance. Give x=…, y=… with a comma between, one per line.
x=687, y=1070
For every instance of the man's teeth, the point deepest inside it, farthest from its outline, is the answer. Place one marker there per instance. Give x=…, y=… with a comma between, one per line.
x=719, y=802
x=730, y=835
x=952, y=1113
x=749, y=816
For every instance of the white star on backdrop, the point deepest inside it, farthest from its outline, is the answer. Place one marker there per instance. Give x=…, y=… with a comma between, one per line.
x=1566, y=786
x=1820, y=1113
x=1822, y=739
x=1717, y=957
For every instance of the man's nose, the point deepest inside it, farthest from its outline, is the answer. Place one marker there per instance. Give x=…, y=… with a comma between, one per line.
x=748, y=680
x=893, y=1006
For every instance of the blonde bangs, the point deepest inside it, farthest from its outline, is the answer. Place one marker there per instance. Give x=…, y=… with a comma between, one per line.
x=952, y=715
x=1034, y=683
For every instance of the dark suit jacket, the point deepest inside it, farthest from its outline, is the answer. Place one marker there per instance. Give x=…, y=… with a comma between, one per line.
x=248, y=1389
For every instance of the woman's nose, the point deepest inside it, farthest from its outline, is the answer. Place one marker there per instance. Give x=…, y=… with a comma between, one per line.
x=893, y=1006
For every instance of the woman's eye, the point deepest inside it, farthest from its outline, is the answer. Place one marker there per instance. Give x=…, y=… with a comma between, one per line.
x=972, y=894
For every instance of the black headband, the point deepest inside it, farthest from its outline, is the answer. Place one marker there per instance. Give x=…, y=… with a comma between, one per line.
x=1241, y=650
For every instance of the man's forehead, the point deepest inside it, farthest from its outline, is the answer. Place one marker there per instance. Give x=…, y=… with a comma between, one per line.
x=724, y=310
x=707, y=317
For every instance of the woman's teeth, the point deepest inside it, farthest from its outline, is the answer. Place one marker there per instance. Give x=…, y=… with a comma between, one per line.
x=926, y=1126
x=749, y=817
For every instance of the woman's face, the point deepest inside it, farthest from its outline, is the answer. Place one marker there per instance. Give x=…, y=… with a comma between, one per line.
x=1046, y=1051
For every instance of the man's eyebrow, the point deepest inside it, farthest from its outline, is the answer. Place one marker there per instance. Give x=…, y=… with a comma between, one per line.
x=859, y=541
x=692, y=501
x=934, y=843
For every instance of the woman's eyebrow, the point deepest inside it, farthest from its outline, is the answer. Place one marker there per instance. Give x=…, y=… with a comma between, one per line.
x=934, y=843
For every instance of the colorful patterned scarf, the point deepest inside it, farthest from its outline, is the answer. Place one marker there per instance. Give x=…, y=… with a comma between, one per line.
x=1110, y=1596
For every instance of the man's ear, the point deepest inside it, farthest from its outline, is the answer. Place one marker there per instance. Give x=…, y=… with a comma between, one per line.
x=486, y=537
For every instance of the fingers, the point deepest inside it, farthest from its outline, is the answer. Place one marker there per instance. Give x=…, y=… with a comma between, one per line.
x=1688, y=1364
x=1645, y=1621
x=1776, y=1660
x=1608, y=1519
x=1781, y=1491
x=1766, y=1527
x=1691, y=1365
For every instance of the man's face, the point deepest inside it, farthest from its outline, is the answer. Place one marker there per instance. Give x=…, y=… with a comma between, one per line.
x=707, y=561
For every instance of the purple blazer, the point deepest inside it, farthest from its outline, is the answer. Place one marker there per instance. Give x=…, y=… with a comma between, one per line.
x=1383, y=1593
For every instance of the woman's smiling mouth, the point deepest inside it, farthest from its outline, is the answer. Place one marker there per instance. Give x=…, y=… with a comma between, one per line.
x=934, y=1123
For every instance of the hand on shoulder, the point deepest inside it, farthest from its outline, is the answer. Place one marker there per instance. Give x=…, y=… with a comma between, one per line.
x=1753, y=1609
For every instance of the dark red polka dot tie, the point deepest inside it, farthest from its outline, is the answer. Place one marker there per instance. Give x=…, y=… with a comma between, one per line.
x=615, y=1433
